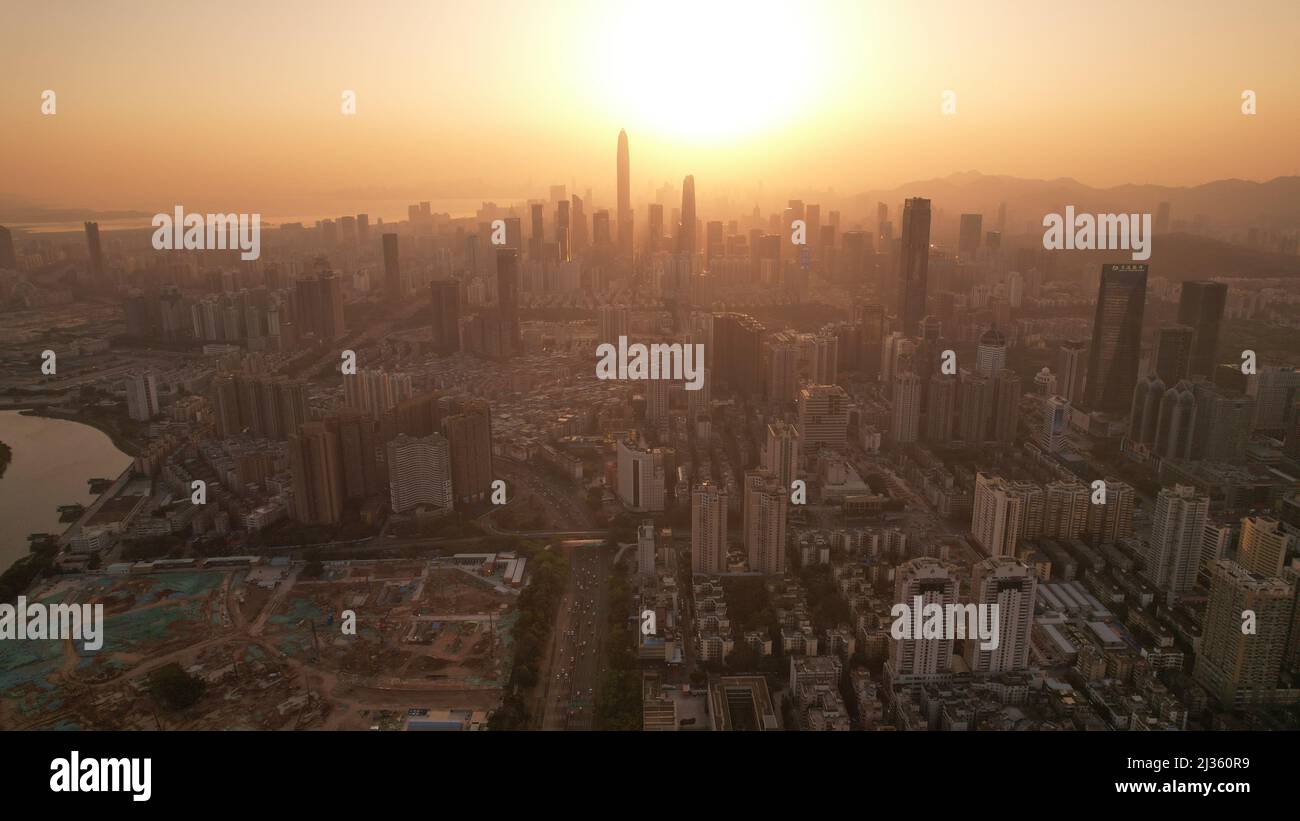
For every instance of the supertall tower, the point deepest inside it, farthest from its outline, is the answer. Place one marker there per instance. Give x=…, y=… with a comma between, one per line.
x=913, y=263
x=686, y=232
x=624, y=197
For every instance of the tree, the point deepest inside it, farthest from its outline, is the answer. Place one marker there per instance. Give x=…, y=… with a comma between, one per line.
x=175, y=689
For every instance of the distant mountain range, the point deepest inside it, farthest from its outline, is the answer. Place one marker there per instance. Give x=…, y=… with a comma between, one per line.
x=1224, y=204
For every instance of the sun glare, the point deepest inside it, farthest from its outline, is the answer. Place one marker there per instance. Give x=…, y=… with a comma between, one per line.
x=713, y=71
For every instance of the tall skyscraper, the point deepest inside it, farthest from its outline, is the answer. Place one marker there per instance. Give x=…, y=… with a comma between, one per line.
x=96, y=251
x=975, y=407
x=624, y=197
x=942, y=408
x=469, y=438
x=142, y=396
x=508, y=297
x=905, y=424
x=445, y=312
x=1006, y=406
x=1073, y=369
x=1172, y=554
x=1200, y=307
x=1007, y=584
x=991, y=355
x=419, y=472
x=392, y=270
x=1116, y=338
x=1239, y=668
x=708, y=529
x=537, y=236
x=316, y=461
x=998, y=514
x=686, y=232
x=1173, y=352
x=1264, y=546
x=935, y=583
x=642, y=476
x=913, y=263
x=781, y=456
x=823, y=417
x=765, y=503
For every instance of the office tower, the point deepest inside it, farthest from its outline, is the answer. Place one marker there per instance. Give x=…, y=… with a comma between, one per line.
x=1144, y=415
x=469, y=438
x=1073, y=369
x=1200, y=307
x=392, y=269
x=991, y=355
x=1172, y=554
x=357, y=449
x=96, y=251
x=975, y=403
x=854, y=259
x=537, y=236
x=1264, y=546
x=508, y=297
x=1221, y=424
x=578, y=237
x=1241, y=669
x=1173, y=438
x=935, y=583
x=624, y=197
x=713, y=245
x=363, y=230
x=1052, y=423
x=737, y=352
x=882, y=217
x=913, y=263
x=419, y=472
x=1275, y=389
x=612, y=323
x=563, y=230
x=781, y=456
x=968, y=241
x=142, y=396
x=1007, y=584
x=600, y=229
x=316, y=461
x=871, y=319
x=765, y=500
x=320, y=306
x=8, y=260
x=444, y=305
x=1173, y=352
x=905, y=422
x=642, y=474
x=823, y=417
x=1116, y=338
x=708, y=529
x=645, y=549
x=1006, y=405
x=998, y=514
x=942, y=408
x=686, y=231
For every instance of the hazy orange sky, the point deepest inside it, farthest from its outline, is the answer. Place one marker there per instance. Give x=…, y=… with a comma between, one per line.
x=237, y=104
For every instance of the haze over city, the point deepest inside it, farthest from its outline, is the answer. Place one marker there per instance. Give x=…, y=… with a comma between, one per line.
x=830, y=366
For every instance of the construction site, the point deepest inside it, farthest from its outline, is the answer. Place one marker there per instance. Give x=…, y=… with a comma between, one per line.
x=384, y=644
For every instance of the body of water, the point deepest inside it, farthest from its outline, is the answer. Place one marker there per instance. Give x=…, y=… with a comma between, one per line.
x=52, y=459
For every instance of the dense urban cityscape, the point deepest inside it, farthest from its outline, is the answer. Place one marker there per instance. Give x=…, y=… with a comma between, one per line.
x=621, y=451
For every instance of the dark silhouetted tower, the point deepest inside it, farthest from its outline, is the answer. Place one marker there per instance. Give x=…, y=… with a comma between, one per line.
x=913, y=263
x=392, y=271
x=1200, y=307
x=624, y=197
x=1116, y=338
x=686, y=232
